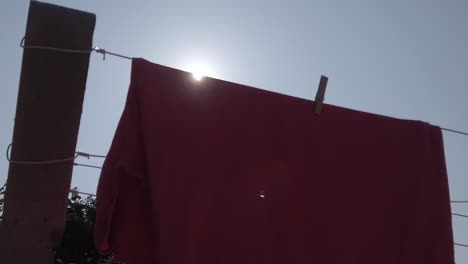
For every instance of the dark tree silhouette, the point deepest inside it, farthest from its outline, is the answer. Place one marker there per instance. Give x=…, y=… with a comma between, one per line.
x=2, y=195
x=77, y=244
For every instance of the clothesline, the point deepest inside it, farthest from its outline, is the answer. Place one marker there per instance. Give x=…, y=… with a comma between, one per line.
x=104, y=52
x=86, y=165
x=85, y=51
x=86, y=155
x=73, y=191
x=93, y=195
x=454, y=131
x=77, y=154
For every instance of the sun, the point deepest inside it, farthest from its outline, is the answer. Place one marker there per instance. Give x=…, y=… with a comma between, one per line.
x=199, y=71
x=197, y=76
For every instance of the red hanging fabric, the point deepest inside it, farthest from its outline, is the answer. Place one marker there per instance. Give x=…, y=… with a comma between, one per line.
x=215, y=172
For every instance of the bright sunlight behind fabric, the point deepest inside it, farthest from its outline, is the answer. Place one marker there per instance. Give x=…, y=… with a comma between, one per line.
x=199, y=71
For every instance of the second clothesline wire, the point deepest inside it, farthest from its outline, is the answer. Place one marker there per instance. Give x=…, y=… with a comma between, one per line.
x=86, y=155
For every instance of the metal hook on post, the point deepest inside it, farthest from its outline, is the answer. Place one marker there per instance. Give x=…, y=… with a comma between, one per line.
x=102, y=51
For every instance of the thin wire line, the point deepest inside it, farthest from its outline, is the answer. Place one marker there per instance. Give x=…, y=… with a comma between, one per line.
x=462, y=215
x=95, y=49
x=87, y=155
x=459, y=201
x=77, y=154
x=37, y=162
x=75, y=192
x=104, y=52
x=457, y=244
x=52, y=48
x=85, y=165
x=455, y=131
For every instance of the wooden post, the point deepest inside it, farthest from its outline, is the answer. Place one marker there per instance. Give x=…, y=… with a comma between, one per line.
x=48, y=112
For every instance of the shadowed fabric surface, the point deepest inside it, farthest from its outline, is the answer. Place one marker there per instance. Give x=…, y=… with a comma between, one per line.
x=215, y=172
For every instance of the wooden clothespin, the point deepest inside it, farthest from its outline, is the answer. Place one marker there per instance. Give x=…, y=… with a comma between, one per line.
x=320, y=94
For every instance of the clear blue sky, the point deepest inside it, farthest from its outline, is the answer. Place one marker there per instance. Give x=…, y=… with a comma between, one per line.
x=400, y=58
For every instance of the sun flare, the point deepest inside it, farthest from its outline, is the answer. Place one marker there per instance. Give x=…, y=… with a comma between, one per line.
x=199, y=71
